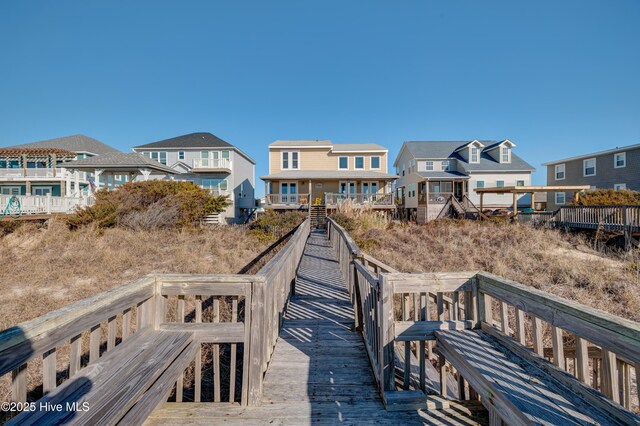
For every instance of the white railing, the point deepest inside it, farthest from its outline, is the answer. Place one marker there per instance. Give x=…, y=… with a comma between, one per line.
x=32, y=173
x=365, y=199
x=287, y=199
x=44, y=204
x=211, y=163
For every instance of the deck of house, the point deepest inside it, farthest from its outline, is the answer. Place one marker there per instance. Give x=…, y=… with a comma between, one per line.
x=325, y=334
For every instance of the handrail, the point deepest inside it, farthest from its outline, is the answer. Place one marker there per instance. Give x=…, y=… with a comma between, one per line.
x=164, y=302
x=400, y=312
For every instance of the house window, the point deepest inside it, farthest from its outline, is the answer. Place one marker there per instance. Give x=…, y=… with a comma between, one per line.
x=359, y=162
x=10, y=190
x=289, y=160
x=429, y=165
x=560, y=198
x=506, y=154
x=343, y=163
x=474, y=155
x=180, y=155
x=620, y=160
x=589, y=167
x=519, y=183
x=41, y=190
x=620, y=186
x=375, y=162
x=480, y=184
x=500, y=184
x=225, y=155
x=411, y=190
x=445, y=165
x=160, y=157
x=559, y=171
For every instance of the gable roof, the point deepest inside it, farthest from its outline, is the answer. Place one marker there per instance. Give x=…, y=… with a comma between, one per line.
x=75, y=143
x=192, y=140
x=120, y=160
x=448, y=149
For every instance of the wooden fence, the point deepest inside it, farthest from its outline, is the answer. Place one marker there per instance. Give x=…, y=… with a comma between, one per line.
x=88, y=329
x=399, y=314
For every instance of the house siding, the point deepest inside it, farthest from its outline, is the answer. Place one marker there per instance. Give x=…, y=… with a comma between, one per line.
x=323, y=159
x=606, y=174
x=490, y=180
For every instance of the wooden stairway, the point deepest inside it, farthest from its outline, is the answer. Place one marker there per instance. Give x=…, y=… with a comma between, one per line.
x=318, y=216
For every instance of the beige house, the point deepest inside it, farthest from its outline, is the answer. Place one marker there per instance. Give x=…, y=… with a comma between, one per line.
x=323, y=173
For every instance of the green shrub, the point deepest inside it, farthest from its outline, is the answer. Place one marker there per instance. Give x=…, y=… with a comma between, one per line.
x=271, y=224
x=608, y=197
x=150, y=205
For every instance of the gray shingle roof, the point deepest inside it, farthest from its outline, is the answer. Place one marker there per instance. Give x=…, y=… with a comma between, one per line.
x=328, y=174
x=120, y=160
x=443, y=175
x=446, y=149
x=75, y=143
x=192, y=140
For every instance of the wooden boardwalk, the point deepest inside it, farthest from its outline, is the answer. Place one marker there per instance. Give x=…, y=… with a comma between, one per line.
x=319, y=373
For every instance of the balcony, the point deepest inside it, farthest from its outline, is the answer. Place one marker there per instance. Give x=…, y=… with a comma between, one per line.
x=31, y=173
x=287, y=201
x=221, y=193
x=372, y=200
x=212, y=165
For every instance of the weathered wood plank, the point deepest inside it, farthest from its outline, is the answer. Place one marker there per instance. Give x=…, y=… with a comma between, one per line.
x=223, y=288
x=424, y=330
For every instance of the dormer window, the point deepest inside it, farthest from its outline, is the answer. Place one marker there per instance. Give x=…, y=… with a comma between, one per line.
x=446, y=165
x=474, y=157
x=505, y=156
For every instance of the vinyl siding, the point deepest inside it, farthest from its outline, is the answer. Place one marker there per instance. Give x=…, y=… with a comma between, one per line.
x=490, y=181
x=322, y=159
x=606, y=175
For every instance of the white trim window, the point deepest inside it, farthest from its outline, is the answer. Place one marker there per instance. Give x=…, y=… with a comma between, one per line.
x=500, y=184
x=620, y=160
x=159, y=156
x=474, y=156
x=343, y=163
x=358, y=163
x=479, y=184
x=519, y=182
x=41, y=190
x=560, y=198
x=290, y=160
x=428, y=166
x=375, y=162
x=620, y=186
x=560, y=171
x=180, y=155
x=10, y=190
x=446, y=165
x=505, y=154
x=589, y=167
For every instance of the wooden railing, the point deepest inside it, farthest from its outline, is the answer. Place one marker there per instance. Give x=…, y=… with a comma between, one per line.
x=618, y=218
x=398, y=314
x=434, y=197
x=88, y=329
x=377, y=199
x=536, y=219
x=287, y=199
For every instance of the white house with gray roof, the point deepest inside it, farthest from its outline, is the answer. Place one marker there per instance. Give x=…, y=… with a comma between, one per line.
x=214, y=164
x=432, y=171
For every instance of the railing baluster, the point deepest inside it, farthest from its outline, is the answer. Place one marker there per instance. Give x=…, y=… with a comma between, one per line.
x=558, y=347
x=19, y=384
x=232, y=368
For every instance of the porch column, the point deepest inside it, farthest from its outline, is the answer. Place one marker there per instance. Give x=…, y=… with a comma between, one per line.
x=481, y=202
x=533, y=201
x=145, y=174
x=76, y=177
x=24, y=164
x=28, y=188
x=96, y=177
x=53, y=159
x=515, y=204
x=266, y=192
x=310, y=195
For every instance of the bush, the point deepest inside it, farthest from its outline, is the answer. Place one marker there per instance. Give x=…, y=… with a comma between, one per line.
x=149, y=205
x=608, y=197
x=272, y=224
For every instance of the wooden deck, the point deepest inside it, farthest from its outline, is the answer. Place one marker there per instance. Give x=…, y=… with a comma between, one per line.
x=319, y=373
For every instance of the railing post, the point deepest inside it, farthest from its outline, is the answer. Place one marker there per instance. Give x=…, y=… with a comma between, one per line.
x=256, y=344
x=386, y=334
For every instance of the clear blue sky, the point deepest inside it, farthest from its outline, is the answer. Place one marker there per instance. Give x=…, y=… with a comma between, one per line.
x=558, y=78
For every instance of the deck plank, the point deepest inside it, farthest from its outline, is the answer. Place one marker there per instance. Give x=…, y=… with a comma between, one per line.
x=320, y=372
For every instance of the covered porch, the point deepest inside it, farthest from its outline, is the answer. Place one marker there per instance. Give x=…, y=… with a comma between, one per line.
x=317, y=189
x=531, y=190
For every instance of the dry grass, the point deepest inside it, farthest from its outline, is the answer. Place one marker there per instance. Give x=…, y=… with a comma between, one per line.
x=46, y=269
x=560, y=263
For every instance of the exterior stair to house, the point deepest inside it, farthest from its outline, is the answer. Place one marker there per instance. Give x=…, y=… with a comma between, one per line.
x=318, y=216
x=462, y=209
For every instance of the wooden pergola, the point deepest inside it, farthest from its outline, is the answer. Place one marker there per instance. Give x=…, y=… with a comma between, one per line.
x=515, y=190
